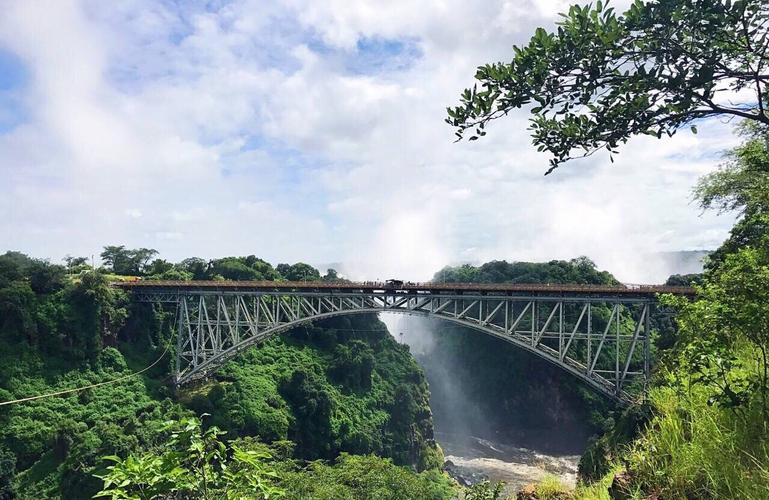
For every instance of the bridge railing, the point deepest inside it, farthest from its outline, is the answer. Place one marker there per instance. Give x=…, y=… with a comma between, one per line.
x=623, y=289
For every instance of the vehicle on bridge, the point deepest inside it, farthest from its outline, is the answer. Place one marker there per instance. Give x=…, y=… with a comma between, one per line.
x=393, y=283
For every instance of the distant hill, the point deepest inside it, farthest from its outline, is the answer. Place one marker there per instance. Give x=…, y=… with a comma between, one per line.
x=649, y=268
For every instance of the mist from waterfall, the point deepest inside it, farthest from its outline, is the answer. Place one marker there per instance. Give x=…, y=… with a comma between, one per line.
x=454, y=405
x=538, y=417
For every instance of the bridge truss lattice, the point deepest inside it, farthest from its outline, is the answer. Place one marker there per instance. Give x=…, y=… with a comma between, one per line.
x=602, y=339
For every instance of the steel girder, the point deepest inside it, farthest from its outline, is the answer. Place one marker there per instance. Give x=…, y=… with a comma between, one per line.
x=602, y=340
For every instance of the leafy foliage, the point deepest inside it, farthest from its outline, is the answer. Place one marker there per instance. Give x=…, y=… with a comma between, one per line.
x=298, y=272
x=192, y=463
x=741, y=185
x=733, y=300
x=580, y=271
x=41, y=305
x=121, y=260
x=484, y=490
x=366, y=478
x=342, y=385
x=601, y=78
x=732, y=308
x=242, y=268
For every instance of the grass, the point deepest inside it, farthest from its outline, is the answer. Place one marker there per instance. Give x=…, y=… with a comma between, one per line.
x=551, y=488
x=598, y=490
x=696, y=450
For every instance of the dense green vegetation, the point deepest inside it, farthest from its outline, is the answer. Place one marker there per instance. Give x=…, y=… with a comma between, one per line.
x=705, y=431
x=580, y=271
x=709, y=437
x=343, y=385
x=197, y=463
x=340, y=386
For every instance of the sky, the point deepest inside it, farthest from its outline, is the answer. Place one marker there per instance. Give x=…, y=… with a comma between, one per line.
x=312, y=131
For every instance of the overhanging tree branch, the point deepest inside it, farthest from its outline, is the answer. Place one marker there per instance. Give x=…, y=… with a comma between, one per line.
x=601, y=78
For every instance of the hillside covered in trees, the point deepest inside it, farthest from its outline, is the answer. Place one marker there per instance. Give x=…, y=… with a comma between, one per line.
x=339, y=386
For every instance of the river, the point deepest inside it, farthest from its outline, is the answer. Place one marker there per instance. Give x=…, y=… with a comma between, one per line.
x=471, y=459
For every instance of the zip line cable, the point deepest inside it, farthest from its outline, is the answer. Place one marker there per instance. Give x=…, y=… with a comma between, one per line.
x=165, y=351
x=78, y=389
x=91, y=386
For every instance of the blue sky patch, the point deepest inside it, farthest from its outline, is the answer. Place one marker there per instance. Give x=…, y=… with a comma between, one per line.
x=13, y=73
x=13, y=78
x=371, y=55
x=378, y=55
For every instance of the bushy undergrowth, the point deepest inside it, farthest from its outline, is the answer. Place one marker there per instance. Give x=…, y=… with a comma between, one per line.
x=708, y=436
x=202, y=463
x=365, y=478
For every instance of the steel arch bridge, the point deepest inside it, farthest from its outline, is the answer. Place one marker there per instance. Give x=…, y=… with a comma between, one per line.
x=599, y=334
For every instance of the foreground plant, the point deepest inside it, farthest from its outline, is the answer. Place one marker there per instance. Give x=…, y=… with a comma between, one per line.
x=194, y=463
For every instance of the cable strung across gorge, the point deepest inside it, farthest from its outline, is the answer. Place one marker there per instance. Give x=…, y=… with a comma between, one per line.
x=78, y=389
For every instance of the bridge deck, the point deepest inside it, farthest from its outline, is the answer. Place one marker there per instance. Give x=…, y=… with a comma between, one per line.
x=405, y=288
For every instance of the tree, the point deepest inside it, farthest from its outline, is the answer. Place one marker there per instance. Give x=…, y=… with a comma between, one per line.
x=75, y=264
x=283, y=269
x=7, y=471
x=742, y=186
x=312, y=406
x=353, y=365
x=115, y=257
x=13, y=266
x=95, y=311
x=140, y=258
x=299, y=272
x=193, y=464
x=125, y=261
x=733, y=297
x=600, y=78
x=732, y=310
x=684, y=279
x=233, y=268
x=45, y=277
x=332, y=276
x=580, y=270
x=198, y=267
x=159, y=266
x=17, y=310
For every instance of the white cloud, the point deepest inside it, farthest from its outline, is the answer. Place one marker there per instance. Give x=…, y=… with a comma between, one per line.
x=242, y=131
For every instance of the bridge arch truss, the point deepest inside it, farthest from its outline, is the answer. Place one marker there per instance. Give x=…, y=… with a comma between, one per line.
x=602, y=339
